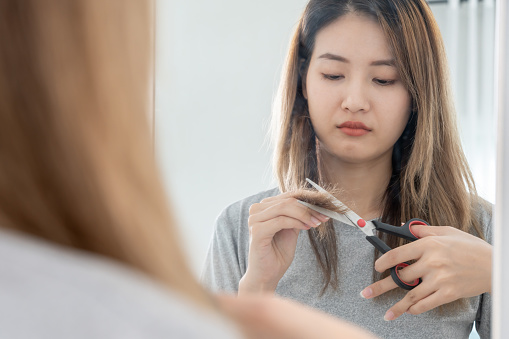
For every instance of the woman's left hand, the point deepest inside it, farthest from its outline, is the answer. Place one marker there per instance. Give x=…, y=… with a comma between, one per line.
x=451, y=263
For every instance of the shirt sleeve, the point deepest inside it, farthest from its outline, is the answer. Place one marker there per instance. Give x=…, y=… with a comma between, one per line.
x=226, y=259
x=483, y=318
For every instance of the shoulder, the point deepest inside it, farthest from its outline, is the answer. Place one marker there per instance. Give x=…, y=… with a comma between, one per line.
x=80, y=295
x=236, y=212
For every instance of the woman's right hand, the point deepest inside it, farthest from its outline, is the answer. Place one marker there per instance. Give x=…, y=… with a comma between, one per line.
x=274, y=226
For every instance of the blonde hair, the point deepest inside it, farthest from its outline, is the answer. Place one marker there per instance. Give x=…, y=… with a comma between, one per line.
x=431, y=179
x=76, y=157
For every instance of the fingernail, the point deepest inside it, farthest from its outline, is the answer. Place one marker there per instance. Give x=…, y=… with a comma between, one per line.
x=366, y=293
x=389, y=316
x=324, y=217
x=315, y=221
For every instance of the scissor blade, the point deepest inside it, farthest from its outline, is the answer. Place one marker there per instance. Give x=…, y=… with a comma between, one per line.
x=329, y=213
x=333, y=198
x=353, y=219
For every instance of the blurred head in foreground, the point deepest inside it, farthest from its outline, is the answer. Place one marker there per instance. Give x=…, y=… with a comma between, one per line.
x=77, y=165
x=76, y=154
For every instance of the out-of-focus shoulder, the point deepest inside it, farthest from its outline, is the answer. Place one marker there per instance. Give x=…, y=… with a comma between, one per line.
x=243, y=205
x=76, y=294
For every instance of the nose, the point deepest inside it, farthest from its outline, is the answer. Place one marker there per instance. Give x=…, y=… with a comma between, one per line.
x=355, y=98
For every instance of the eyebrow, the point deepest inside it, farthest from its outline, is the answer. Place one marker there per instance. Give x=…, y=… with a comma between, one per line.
x=388, y=62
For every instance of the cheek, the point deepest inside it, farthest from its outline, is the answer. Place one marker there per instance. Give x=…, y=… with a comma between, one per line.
x=396, y=115
x=322, y=99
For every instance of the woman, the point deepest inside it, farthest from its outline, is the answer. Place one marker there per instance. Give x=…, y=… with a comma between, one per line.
x=365, y=106
x=87, y=243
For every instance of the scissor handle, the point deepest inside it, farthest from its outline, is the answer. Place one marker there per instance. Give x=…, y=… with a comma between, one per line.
x=404, y=231
x=382, y=247
x=395, y=276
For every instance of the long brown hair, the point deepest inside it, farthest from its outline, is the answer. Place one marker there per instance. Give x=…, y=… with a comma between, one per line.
x=431, y=179
x=76, y=158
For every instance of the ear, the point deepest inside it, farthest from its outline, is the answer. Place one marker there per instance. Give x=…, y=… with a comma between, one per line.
x=303, y=72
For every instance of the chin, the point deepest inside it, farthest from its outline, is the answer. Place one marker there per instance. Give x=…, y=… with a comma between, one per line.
x=353, y=159
x=350, y=156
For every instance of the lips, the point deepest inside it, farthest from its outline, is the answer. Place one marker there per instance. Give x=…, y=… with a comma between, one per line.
x=354, y=128
x=354, y=125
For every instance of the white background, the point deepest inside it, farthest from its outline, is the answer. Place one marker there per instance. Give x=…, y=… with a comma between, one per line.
x=217, y=68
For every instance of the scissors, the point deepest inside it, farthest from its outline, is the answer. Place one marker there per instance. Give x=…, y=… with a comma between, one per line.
x=369, y=228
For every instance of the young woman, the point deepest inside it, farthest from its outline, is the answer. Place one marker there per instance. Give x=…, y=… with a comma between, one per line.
x=365, y=106
x=87, y=243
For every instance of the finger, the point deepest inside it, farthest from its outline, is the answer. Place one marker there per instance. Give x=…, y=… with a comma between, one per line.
x=262, y=206
x=277, y=197
x=291, y=198
x=288, y=207
x=422, y=231
x=412, y=251
x=432, y=301
x=378, y=288
x=277, y=224
x=318, y=215
x=265, y=203
x=411, y=298
x=412, y=272
x=408, y=274
x=268, y=229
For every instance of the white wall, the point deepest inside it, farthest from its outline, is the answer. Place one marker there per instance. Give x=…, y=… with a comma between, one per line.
x=217, y=66
x=469, y=36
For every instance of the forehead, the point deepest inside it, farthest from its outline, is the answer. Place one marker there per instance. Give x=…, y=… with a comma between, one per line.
x=355, y=37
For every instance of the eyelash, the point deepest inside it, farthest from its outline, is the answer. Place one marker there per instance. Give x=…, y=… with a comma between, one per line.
x=380, y=82
x=332, y=76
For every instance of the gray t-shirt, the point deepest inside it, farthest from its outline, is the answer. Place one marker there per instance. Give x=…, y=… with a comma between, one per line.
x=51, y=292
x=227, y=260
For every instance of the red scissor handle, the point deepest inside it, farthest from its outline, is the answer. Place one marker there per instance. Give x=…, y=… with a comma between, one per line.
x=405, y=232
x=397, y=279
x=395, y=270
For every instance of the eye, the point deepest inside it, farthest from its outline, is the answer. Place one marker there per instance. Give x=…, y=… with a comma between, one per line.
x=383, y=82
x=332, y=76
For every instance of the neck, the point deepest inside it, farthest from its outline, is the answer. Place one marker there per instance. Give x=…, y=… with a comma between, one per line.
x=363, y=184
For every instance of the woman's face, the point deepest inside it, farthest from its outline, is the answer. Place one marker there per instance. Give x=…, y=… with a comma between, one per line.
x=358, y=104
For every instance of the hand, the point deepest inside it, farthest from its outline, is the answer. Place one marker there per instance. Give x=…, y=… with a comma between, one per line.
x=272, y=317
x=452, y=264
x=274, y=226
